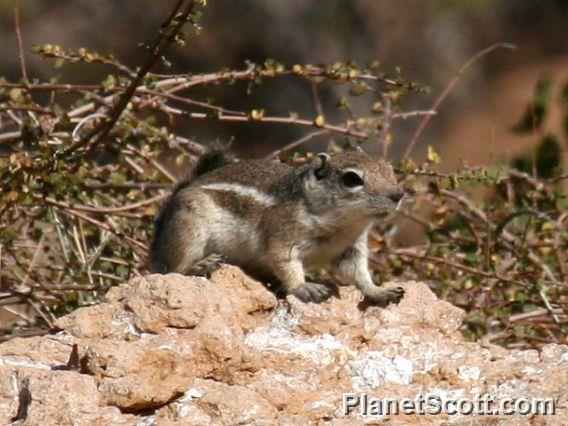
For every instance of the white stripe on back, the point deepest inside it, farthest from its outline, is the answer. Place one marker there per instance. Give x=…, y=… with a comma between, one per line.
x=247, y=191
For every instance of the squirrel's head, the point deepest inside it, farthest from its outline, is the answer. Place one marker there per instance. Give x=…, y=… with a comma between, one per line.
x=352, y=184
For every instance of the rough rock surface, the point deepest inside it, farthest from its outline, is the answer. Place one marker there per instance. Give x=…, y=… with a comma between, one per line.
x=190, y=351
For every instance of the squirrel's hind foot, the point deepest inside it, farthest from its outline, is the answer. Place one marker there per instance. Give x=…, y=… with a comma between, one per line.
x=206, y=266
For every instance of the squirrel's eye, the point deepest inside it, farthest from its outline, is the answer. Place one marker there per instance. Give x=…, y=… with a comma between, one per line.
x=351, y=179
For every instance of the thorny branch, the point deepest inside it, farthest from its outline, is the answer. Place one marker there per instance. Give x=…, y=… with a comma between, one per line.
x=82, y=180
x=170, y=30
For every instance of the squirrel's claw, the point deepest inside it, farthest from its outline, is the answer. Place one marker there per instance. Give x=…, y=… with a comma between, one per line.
x=206, y=266
x=385, y=296
x=312, y=292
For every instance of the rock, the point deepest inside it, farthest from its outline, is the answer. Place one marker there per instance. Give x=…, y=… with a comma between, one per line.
x=219, y=403
x=191, y=351
x=91, y=322
x=41, y=397
x=185, y=301
x=37, y=352
x=137, y=375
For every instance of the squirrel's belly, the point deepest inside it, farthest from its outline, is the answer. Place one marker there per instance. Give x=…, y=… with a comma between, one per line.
x=322, y=251
x=237, y=240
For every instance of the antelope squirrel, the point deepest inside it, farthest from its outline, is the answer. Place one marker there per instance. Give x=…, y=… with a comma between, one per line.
x=275, y=221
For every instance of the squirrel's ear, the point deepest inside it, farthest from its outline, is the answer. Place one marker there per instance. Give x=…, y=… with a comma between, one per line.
x=320, y=165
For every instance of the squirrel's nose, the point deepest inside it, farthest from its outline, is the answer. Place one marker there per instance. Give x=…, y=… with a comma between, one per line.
x=396, y=195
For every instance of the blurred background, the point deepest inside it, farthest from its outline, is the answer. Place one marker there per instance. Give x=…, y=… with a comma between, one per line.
x=429, y=40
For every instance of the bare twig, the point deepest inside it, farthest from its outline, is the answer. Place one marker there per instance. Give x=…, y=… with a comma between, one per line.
x=26, y=333
x=35, y=259
x=317, y=100
x=448, y=89
x=533, y=314
x=20, y=43
x=270, y=120
x=106, y=210
x=412, y=253
x=385, y=136
x=296, y=143
x=40, y=110
x=64, y=208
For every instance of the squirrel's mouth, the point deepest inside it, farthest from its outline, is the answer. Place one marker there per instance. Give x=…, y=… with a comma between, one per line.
x=385, y=205
x=383, y=213
x=387, y=209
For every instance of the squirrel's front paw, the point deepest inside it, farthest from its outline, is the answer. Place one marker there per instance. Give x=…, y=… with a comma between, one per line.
x=312, y=292
x=386, y=296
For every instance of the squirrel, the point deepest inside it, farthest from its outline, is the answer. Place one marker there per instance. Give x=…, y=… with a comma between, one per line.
x=276, y=221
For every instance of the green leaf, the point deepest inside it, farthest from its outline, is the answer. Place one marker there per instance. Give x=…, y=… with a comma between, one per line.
x=564, y=96
x=548, y=157
x=358, y=89
x=564, y=101
x=536, y=111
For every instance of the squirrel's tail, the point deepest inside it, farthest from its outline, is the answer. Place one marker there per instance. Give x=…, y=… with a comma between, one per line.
x=212, y=159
